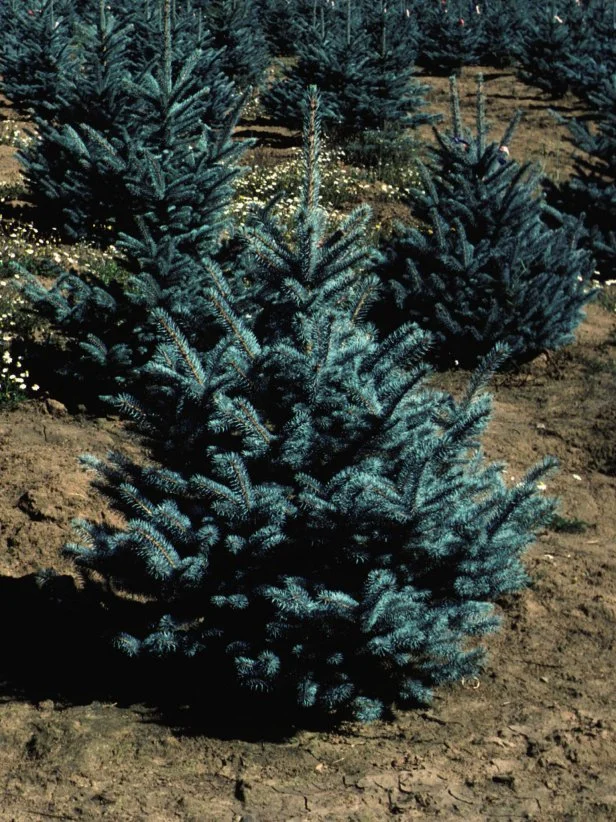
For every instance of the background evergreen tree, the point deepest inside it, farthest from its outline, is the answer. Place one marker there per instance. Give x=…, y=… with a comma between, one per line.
x=502, y=25
x=71, y=194
x=450, y=36
x=280, y=19
x=485, y=267
x=235, y=28
x=550, y=41
x=592, y=61
x=592, y=189
x=333, y=61
x=36, y=60
x=389, y=96
x=392, y=29
x=321, y=527
x=364, y=73
x=169, y=180
x=79, y=169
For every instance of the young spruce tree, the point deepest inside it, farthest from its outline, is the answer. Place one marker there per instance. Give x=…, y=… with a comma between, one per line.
x=450, y=36
x=367, y=84
x=485, y=267
x=322, y=526
x=236, y=30
x=591, y=191
x=548, y=44
x=36, y=60
x=80, y=168
x=169, y=172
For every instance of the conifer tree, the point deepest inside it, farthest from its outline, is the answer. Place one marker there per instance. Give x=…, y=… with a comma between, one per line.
x=81, y=168
x=389, y=95
x=36, y=61
x=502, y=25
x=281, y=24
x=77, y=197
x=235, y=28
x=550, y=40
x=485, y=267
x=365, y=78
x=321, y=526
x=168, y=177
x=328, y=60
x=450, y=36
x=392, y=29
x=592, y=58
x=591, y=191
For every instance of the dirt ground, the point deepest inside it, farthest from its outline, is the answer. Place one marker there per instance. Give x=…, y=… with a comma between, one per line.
x=532, y=738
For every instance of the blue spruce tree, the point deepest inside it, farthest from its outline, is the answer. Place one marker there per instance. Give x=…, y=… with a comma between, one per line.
x=36, y=60
x=549, y=42
x=320, y=527
x=591, y=58
x=365, y=76
x=119, y=105
x=169, y=173
x=485, y=267
x=451, y=36
x=281, y=24
x=235, y=28
x=591, y=191
x=74, y=196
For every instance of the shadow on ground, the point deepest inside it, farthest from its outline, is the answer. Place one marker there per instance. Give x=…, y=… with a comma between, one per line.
x=60, y=648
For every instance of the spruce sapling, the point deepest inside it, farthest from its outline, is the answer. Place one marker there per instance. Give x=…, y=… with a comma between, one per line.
x=166, y=180
x=591, y=191
x=485, y=267
x=321, y=527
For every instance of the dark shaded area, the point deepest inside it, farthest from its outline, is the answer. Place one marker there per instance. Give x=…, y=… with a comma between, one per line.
x=60, y=647
x=264, y=134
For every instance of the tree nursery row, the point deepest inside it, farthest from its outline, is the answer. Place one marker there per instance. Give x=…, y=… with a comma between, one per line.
x=316, y=523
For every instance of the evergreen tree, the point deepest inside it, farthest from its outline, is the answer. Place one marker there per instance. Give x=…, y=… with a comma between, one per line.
x=328, y=60
x=548, y=44
x=321, y=526
x=485, y=267
x=365, y=79
x=392, y=29
x=235, y=29
x=280, y=20
x=388, y=94
x=450, y=36
x=36, y=61
x=593, y=59
x=502, y=25
x=591, y=191
x=81, y=168
x=74, y=196
x=168, y=183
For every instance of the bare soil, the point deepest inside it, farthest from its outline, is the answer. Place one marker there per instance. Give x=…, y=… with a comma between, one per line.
x=532, y=738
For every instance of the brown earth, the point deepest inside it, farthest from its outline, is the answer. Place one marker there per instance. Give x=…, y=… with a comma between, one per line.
x=532, y=738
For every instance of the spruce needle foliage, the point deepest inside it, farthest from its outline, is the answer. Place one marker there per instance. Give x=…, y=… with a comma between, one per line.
x=36, y=59
x=486, y=267
x=592, y=189
x=366, y=78
x=553, y=36
x=236, y=29
x=161, y=177
x=117, y=110
x=321, y=527
x=450, y=36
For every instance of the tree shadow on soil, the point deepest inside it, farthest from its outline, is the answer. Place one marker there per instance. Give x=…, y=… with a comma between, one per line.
x=57, y=645
x=268, y=137
x=531, y=103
